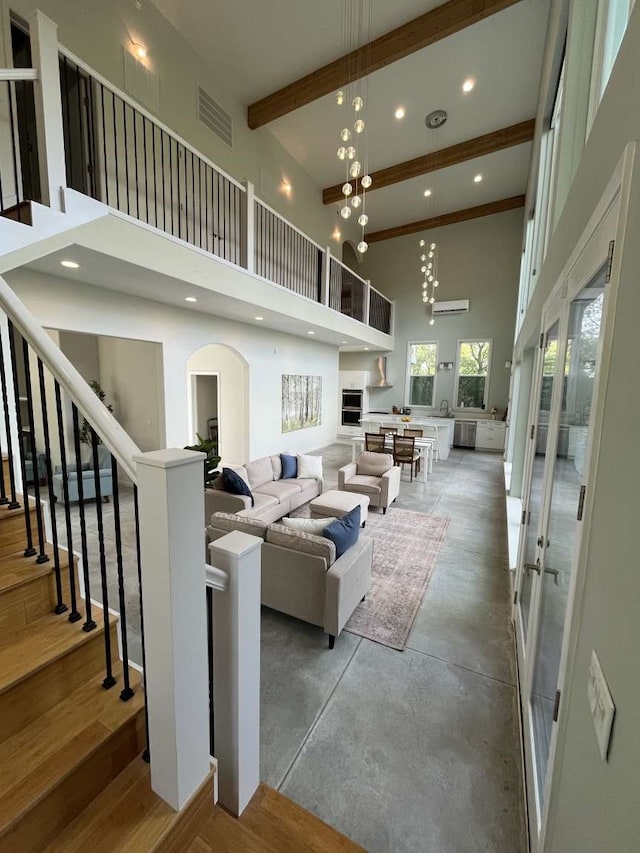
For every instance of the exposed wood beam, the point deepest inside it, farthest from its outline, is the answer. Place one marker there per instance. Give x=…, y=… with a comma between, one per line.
x=448, y=218
x=516, y=134
x=443, y=21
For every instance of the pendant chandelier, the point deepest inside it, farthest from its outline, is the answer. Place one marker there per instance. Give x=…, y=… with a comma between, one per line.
x=429, y=274
x=353, y=148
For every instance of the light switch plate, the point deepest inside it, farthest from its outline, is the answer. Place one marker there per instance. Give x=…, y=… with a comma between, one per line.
x=601, y=705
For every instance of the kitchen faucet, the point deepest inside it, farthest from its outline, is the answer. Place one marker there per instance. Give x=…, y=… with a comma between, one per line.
x=445, y=403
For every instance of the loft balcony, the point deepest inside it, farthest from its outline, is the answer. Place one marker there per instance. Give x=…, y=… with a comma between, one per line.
x=90, y=171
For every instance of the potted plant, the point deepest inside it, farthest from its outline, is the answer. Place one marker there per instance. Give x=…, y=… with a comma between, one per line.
x=210, y=447
x=85, y=430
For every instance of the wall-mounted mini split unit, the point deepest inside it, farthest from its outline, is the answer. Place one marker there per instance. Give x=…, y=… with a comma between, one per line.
x=458, y=306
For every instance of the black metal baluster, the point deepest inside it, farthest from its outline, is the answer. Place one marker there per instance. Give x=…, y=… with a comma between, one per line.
x=145, y=754
x=89, y=624
x=29, y=551
x=209, y=593
x=13, y=503
x=170, y=178
x=109, y=680
x=155, y=184
x=104, y=145
x=179, y=192
x=115, y=149
x=126, y=154
x=75, y=615
x=127, y=692
x=135, y=160
x=67, y=117
x=193, y=201
x=4, y=500
x=91, y=134
x=31, y=435
x=83, y=157
x=11, y=91
x=60, y=607
x=146, y=168
x=206, y=208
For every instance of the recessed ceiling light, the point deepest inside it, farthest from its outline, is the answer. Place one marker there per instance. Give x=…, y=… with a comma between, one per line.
x=258, y=318
x=311, y=333
x=468, y=85
x=400, y=112
x=477, y=179
x=343, y=342
x=190, y=299
x=426, y=193
x=70, y=265
x=366, y=349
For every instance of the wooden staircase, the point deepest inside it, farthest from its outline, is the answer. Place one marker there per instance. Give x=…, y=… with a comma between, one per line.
x=71, y=773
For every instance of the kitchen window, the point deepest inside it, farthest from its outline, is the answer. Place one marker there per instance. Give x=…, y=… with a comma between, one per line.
x=421, y=373
x=472, y=374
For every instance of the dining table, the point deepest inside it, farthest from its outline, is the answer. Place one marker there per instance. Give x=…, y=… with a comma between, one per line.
x=423, y=445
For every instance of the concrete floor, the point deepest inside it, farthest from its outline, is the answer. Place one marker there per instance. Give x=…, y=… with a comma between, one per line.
x=415, y=750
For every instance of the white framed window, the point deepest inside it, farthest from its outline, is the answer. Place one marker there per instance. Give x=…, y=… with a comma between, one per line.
x=422, y=358
x=472, y=373
x=611, y=24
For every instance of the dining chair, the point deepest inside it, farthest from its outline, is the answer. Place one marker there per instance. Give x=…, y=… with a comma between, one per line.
x=405, y=453
x=431, y=432
x=374, y=441
x=414, y=432
x=388, y=430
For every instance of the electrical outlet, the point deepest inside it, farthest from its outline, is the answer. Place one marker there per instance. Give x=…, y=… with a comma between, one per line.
x=601, y=705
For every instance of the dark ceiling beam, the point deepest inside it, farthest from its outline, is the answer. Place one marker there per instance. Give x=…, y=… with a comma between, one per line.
x=497, y=140
x=427, y=29
x=448, y=218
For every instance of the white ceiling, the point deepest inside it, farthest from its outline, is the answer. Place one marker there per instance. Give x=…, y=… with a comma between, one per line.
x=261, y=46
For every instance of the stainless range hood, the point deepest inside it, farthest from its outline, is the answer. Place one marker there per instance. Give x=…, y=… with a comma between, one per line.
x=380, y=380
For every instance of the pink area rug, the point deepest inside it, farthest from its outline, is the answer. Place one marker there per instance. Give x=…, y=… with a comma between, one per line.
x=405, y=551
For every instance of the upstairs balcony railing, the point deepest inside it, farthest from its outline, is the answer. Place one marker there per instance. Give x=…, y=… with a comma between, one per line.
x=118, y=153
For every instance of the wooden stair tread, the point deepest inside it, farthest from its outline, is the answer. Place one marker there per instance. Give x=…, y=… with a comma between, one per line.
x=289, y=828
x=16, y=569
x=50, y=732
x=127, y=817
x=5, y=512
x=40, y=756
x=40, y=644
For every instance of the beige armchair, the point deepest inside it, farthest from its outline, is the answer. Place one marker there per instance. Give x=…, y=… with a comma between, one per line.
x=374, y=475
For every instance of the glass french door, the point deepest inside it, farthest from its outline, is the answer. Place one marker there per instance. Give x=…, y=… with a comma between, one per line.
x=567, y=375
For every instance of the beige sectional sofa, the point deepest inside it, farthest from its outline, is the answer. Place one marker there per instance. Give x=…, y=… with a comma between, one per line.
x=300, y=573
x=273, y=496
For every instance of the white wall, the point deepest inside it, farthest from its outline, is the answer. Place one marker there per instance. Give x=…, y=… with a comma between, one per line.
x=97, y=32
x=477, y=260
x=594, y=804
x=131, y=377
x=76, y=306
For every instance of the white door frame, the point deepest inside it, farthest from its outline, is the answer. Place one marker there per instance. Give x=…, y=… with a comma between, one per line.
x=607, y=223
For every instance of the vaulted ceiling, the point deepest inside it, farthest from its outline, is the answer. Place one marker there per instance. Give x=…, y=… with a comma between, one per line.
x=423, y=51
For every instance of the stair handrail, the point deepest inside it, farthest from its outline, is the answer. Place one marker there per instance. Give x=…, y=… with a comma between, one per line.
x=115, y=438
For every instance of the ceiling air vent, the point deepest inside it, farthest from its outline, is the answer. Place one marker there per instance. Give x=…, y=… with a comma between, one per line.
x=457, y=306
x=215, y=117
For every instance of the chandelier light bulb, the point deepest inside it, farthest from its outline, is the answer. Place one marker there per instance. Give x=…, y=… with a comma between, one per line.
x=362, y=247
x=424, y=297
x=423, y=269
x=432, y=299
x=347, y=189
x=421, y=243
x=432, y=246
x=423, y=257
x=431, y=321
x=358, y=126
x=424, y=285
x=431, y=254
x=357, y=103
x=429, y=278
x=351, y=152
x=345, y=134
x=356, y=201
x=366, y=181
x=345, y=212
x=436, y=283
x=340, y=98
x=355, y=168
x=363, y=219
x=341, y=152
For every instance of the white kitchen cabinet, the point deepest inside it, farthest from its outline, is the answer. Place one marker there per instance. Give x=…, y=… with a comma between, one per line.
x=490, y=435
x=356, y=379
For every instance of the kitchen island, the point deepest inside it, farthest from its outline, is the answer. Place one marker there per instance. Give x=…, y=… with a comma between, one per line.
x=371, y=422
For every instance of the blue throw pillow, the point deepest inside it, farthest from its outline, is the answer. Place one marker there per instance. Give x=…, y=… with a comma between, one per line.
x=289, y=466
x=344, y=531
x=234, y=484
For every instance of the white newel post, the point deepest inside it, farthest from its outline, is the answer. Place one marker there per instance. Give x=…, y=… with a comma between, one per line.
x=367, y=302
x=171, y=511
x=236, y=668
x=48, y=102
x=249, y=222
x=326, y=276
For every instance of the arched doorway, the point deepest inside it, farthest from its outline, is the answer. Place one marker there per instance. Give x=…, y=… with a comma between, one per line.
x=218, y=389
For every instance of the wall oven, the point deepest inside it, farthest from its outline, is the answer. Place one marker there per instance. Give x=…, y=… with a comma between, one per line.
x=351, y=407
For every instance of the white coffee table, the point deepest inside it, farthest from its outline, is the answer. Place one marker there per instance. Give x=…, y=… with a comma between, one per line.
x=336, y=503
